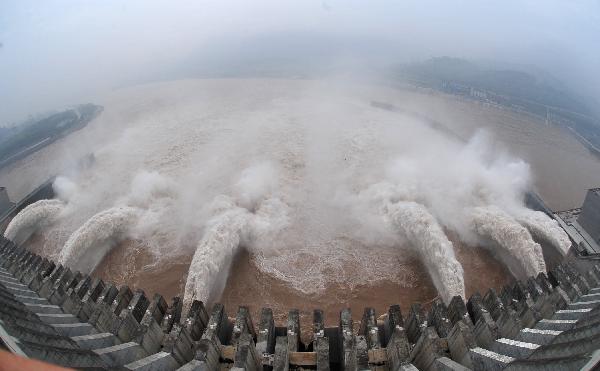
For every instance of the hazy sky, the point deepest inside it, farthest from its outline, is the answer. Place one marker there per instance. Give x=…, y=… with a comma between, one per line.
x=55, y=53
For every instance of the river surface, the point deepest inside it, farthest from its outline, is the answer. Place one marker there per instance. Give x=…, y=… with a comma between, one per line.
x=199, y=135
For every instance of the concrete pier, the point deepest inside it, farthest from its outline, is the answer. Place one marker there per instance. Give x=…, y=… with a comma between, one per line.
x=48, y=312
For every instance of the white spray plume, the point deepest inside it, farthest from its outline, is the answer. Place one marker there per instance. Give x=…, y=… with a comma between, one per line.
x=412, y=223
x=32, y=218
x=148, y=187
x=250, y=221
x=135, y=215
x=255, y=182
x=512, y=242
x=327, y=143
x=64, y=188
x=471, y=189
x=88, y=245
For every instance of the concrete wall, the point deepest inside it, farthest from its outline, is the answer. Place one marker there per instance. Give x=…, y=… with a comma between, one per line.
x=5, y=203
x=67, y=318
x=589, y=218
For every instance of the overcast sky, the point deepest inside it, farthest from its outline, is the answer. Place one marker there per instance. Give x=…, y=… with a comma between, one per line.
x=55, y=53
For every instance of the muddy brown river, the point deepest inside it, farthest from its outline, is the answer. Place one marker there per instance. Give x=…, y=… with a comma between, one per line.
x=202, y=133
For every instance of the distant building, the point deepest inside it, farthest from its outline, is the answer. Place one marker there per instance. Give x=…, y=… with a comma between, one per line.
x=479, y=94
x=583, y=224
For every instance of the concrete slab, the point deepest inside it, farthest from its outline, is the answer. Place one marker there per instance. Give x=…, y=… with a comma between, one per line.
x=121, y=354
x=27, y=294
x=408, y=367
x=555, y=324
x=75, y=329
x=8, y=279
x=31, y=300
x=537, y=336
x=513, y=348
x=156, y=362
x=194, y=365
x=589, y=297
x=446, y=364
x=96, y=341
x=53, y=318
x=571, y=314
x=584, y=304
x=25, y=291
x=44, y=308
x=15, y=285
x=484, y=359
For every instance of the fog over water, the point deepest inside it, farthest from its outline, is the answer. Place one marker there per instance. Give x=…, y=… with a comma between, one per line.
x=293, y=171
x=60, y=52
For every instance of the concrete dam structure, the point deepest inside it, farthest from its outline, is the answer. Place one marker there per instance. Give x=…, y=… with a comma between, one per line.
x=48, y=312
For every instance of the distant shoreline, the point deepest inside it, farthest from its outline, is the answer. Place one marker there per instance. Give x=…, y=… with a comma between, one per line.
x=83, y=121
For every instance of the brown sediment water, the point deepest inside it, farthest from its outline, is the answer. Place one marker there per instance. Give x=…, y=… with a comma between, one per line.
x=129, y=263
x=481, y=270
x=561, y=166
x=248, y=286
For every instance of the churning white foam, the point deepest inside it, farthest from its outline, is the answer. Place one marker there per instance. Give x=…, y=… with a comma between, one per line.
x=88, y=245
x=250, y=219
x=232, y=227
x=544, y=228
x=411, y=223
x=163, y=152
x=33, y=217
x=513, y=244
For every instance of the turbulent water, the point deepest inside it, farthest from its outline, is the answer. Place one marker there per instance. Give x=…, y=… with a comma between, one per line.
x=419, y=227
x=542, y=227
x=33, y=217
x=232, y=226
x=213, y=257
x=512, y=242
x=292, y=172
x=88, y=245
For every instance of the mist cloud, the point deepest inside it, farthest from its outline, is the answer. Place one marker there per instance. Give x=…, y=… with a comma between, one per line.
x=317, y=183
x=56, y=53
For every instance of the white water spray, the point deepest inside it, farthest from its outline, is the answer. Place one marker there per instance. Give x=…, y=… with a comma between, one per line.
x=32, y=218
x=88, y=245
x=514, y=244
x=418, y=226
x=248, y=219
x=542, y=227
x=233, y=227
x=204, y=132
